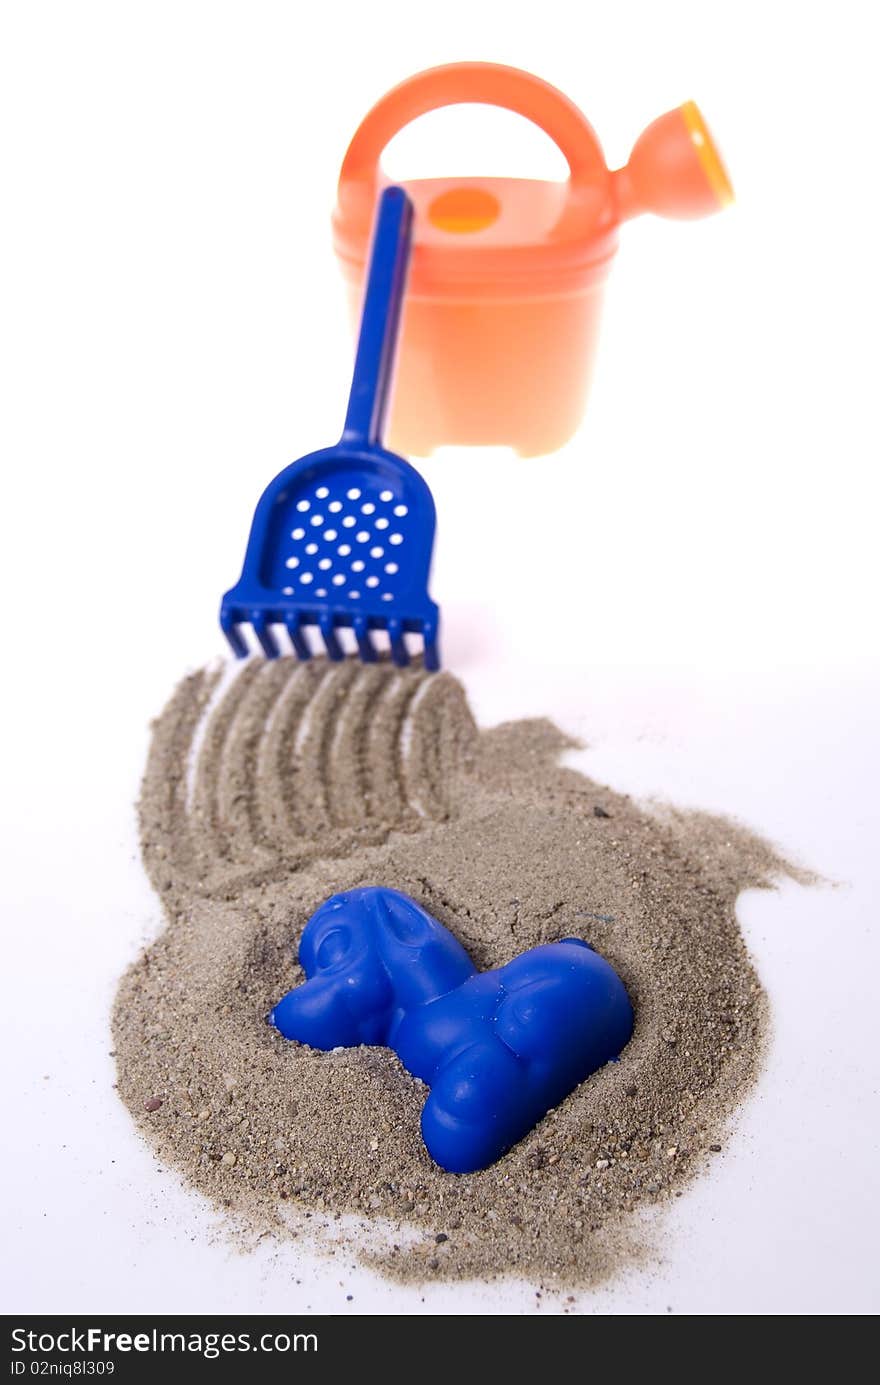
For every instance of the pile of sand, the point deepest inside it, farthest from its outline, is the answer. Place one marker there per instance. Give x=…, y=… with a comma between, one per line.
x=300, y=780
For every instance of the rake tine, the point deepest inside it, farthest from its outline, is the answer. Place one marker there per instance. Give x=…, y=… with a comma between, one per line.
x=431, y=654
x=293, y=624
x=366, y=648
x=229, y=625
x=268, y=643
x=331, y=639
x=399, y=651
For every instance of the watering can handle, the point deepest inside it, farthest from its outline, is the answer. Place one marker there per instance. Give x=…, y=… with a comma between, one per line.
x=490, y=84
x=383, y=302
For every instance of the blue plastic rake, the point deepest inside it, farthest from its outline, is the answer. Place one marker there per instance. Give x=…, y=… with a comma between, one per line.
x=343, y=537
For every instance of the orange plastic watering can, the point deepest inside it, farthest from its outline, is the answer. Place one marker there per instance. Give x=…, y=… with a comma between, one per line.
x=504, y=297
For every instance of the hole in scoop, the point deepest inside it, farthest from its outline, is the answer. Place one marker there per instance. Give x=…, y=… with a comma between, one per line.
x=462, y=210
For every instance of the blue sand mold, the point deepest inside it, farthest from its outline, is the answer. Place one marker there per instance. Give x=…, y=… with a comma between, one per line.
x=497, y=1048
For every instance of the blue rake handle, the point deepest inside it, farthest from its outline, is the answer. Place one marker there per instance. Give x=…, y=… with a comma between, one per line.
x=383, y=304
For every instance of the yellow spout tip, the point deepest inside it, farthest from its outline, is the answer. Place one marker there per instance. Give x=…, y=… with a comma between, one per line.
x=706, y=149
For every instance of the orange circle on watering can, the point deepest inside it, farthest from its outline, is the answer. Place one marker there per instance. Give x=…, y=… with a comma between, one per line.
x=461, y=210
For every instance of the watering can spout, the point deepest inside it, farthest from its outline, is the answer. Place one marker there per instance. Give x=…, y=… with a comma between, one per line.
x=675, y=169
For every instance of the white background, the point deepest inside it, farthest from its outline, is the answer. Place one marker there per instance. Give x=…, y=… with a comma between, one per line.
x=691, y=585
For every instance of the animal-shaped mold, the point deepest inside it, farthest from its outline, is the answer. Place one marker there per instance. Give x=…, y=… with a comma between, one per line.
x=498, y=1048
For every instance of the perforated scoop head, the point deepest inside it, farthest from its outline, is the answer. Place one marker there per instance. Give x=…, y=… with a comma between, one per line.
x=342, y=538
